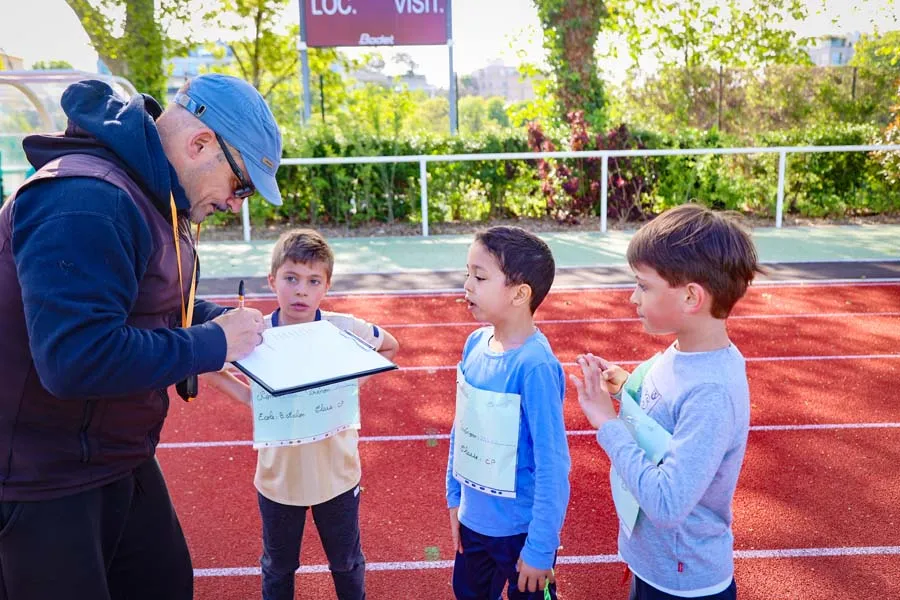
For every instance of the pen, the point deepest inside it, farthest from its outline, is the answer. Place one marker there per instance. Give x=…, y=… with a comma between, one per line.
x=241, y=294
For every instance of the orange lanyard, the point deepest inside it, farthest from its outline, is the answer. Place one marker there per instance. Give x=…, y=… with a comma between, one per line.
x=187, y=308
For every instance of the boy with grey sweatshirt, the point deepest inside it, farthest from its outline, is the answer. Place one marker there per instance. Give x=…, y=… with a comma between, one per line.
x=691, y=266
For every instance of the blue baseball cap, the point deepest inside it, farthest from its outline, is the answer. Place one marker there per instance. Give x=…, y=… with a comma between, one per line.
x=234, y=109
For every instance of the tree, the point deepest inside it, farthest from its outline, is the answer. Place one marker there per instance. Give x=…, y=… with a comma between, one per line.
x=468, y=86
x=570, y=33
x=431, y=115
x=269, y=60
x=890, y=161
x=472, y=114
x=405, y=59
x=496, y=110
x=136, y=47
x=697, y=45
x=878, y=51
x=46, y=65
x=262, y=57
x=693, y=33
x=543, y=107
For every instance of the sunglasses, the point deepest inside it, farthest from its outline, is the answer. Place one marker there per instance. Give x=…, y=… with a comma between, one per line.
x=246, y=188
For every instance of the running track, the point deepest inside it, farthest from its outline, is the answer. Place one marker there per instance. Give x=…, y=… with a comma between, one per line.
x=817, y=512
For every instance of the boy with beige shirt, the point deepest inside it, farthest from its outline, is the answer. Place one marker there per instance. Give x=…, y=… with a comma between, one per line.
x=322, y=475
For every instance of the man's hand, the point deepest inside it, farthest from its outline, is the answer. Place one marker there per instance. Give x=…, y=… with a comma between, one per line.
x=454, y=529
x=243, y=329
x=531, y=579
x=593, y=393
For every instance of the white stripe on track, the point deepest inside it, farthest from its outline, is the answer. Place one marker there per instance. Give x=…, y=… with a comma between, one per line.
x=571, y=433
x=801, y=283
x=435, y=368
x=821, y=426
x=836, y=315
x=593, y=559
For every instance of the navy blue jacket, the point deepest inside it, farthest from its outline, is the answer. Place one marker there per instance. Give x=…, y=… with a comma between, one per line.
x=81, y=250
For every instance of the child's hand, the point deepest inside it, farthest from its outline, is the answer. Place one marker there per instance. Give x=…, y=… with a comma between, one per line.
x=531, y=579
x=454, y=529
x=593, y=393
x=614, y=376
x=226, y=382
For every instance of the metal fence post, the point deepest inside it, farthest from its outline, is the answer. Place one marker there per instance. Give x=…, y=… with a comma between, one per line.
x=604, y=188
x=779, y=205
x=423, y=187
x=245, y=218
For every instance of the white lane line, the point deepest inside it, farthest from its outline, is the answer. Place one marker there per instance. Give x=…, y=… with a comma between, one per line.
x=811, y=358
x=593, y=559
x=435, y=368
x=814, y=358
x=472, y=324
x=800, y=283
x=819, y=552
x=571, y=433
x=821, y=426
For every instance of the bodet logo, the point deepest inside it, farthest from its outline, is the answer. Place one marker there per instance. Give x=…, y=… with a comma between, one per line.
x=375, y=40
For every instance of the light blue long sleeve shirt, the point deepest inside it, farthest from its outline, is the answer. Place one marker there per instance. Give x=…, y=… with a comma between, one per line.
x=682, y=543
x=543, y=464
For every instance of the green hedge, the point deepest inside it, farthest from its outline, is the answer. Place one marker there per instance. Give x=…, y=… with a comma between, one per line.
x=820, y=184
x=834, y=183
x=353, y=193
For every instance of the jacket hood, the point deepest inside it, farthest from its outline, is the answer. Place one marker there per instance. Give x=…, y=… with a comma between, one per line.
x=103, y=124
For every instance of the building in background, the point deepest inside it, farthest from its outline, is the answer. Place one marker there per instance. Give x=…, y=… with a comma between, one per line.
x=8, y=62
x=833, y=50
x=498, y=79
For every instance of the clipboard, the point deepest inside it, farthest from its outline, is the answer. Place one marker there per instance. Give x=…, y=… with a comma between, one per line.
x=295, y=358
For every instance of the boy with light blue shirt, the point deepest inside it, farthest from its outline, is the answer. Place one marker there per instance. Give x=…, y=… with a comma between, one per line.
x=691, y=265
x=508, y=468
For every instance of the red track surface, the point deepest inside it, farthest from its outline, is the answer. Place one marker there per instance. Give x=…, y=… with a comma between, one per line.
x=831, y=492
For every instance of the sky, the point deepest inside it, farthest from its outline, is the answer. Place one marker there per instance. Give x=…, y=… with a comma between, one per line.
x=484, y=30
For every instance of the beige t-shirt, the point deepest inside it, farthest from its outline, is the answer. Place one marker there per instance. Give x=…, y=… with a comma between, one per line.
x=309, y=474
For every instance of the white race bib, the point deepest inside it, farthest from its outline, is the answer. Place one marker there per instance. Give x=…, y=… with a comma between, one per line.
x=653, y=440
x=304, y=417
x=486, y=445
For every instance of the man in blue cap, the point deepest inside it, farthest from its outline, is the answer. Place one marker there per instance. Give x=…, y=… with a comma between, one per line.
x=97, y=266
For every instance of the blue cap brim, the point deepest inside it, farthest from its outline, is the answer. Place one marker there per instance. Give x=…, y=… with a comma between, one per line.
x=264, y=183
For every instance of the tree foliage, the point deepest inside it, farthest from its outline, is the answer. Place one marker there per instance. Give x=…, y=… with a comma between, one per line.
x=46, y=65
x=129, y=36
x=265, y=54
x=754, y=101
x=878, y=51
x=694, y=33
x=710, y=59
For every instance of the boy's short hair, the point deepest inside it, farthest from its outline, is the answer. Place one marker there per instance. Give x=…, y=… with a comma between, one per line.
x=304, y=246
x=523, y=258
x=691, y=243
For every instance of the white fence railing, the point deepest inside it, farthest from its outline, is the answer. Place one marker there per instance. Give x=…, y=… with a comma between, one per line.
x=604, y=155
